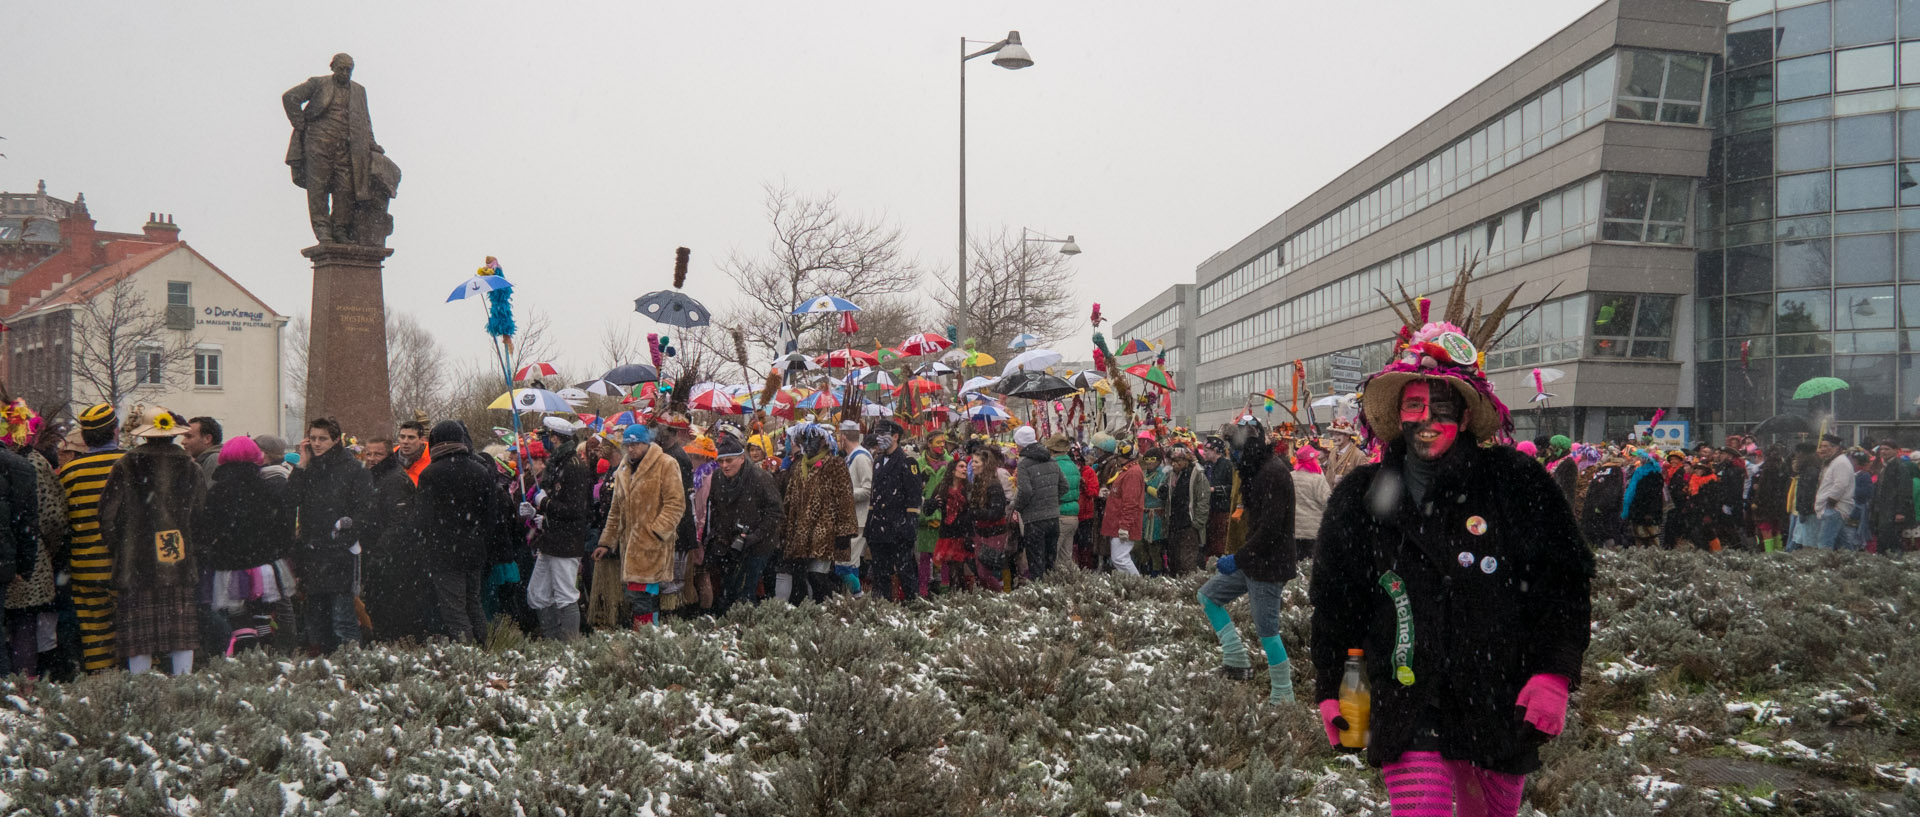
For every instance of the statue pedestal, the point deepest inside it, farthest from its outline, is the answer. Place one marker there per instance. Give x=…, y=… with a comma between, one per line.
x=347, y=346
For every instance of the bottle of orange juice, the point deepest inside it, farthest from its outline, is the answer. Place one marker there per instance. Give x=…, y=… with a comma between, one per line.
x=1356, y=702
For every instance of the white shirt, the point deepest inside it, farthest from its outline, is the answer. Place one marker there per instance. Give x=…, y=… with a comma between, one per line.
x=1836, y=487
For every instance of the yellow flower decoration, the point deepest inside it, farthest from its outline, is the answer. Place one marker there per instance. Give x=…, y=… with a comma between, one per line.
x=163, y=422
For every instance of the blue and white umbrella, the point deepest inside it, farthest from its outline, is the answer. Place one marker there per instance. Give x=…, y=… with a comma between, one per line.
x=994, y=413
x=825, y=304
x=477, y=285
x=1024, y=340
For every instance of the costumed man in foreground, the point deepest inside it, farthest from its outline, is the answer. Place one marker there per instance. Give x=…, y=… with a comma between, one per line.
x=1458, y=569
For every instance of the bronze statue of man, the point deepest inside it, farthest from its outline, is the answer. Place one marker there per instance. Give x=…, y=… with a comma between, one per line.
x=346, y=174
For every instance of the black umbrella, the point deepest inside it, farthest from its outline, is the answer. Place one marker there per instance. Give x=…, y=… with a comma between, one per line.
x=1782, y=425
x=1036, y=386
x=632, y=374
x=672, y=307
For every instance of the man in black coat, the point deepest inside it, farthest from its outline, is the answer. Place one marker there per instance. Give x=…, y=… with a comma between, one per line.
x=329, y=489
x=743, y=523
x=395, y=590
x=894, y=513
x=1261, y=567
x=458, y=514
x=565, y=514
x=1460, y=572
x=1891, y=511
x=19, y=526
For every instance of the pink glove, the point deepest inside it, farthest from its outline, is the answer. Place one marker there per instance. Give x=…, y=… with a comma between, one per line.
x=1330, y=718
x=1545, y=700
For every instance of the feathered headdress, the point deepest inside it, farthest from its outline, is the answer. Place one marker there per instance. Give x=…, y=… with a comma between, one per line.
x=1453, y=348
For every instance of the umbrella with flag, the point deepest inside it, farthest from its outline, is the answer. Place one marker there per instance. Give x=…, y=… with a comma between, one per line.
x=825, y=304
x=924, y=344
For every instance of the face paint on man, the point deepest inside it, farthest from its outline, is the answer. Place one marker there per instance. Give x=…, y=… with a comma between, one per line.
x=1431, y=414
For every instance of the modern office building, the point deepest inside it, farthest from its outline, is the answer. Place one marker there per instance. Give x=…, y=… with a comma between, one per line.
x=1166, y=321
x=1810, y=220
x=1572, y=171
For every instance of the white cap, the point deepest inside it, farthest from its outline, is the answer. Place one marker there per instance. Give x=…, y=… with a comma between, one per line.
x=1025, y=436
x=558, y=425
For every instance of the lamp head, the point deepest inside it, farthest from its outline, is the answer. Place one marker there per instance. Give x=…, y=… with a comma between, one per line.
x=1069, y=248
x=1012, y=56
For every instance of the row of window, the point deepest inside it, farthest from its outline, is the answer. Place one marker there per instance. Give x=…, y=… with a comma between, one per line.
x=1551, y=224
x=150, y=367
x=1879, y=386
x=1233, y=390
x=1160, y=325
x=1589, y=325
x=1658, y=82
x=1759, y=324
x=1809, y=262
x=1856, y=69
x=1803, y=27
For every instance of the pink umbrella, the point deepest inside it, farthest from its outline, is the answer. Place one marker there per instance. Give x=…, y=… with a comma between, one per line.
x=925, y=343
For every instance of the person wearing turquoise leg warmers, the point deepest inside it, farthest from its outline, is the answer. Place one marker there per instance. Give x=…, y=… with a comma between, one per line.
x=1262, y=566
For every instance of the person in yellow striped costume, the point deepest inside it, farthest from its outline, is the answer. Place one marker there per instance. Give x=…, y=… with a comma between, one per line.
x=92, y=567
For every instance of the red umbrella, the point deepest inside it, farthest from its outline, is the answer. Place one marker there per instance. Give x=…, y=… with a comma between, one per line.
x=536, y=370
x=1153, y=374
x=711, y=398
x=847, y=358
x=925, y=343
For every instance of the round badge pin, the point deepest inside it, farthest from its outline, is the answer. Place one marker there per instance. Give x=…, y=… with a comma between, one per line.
x=1489, y=564
x=1404, y=675
x=1476, y=525
x=1466, y=559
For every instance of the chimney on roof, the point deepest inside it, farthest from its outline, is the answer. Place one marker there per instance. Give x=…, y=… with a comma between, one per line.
x=160, y=228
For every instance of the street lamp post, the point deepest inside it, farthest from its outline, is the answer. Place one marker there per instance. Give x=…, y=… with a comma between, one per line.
x=1067, y=248
x=1008, y=54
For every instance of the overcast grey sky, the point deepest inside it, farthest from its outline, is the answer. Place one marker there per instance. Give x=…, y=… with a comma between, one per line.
x=581, y=142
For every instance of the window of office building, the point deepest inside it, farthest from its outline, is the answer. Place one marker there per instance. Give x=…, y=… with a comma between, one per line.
x=1649, y=209
x=149, y=365
x=1657, y=87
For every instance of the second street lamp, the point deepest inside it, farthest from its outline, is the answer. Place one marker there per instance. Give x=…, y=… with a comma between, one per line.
x=1010, y=54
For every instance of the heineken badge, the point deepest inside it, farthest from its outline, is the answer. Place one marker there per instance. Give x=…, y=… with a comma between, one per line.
x=1458, y=348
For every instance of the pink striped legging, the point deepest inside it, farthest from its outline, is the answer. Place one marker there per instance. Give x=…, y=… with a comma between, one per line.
x=1424, y=784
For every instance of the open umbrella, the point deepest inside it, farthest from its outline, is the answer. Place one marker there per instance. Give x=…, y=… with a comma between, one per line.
x=1086, y=379
x=925, y=343
x=975, y=384
x=933, y=367
x=968, y=357
x=1039, y=386
x=824, y=304
x=673, y=308
x=477, y=285
x=600, y=386
x=818, y=400
x=1031, y=360
x=710, y=397
x=870, y=376
x=876, y=410
x=1023, y=340
x=531, y=400
x=1818, y=386
x=533, y=370
x=846, y=359
x=572, y=395
x=629, y=418
x=993, y=413
x=1153, y=374
x=632, y=373
x=1135, y=347
x=792, y=362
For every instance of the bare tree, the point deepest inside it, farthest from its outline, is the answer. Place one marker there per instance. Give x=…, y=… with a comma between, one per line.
x=620, y=344
x=815, y=249
x=1012, y=287
x=417, y=369
x=120, y=344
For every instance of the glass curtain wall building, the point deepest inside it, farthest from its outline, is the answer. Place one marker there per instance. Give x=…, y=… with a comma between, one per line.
x=1809, y=260
x=1575, y=171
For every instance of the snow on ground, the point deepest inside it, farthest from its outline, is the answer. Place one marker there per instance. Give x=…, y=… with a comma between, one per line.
x=1095, y=696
